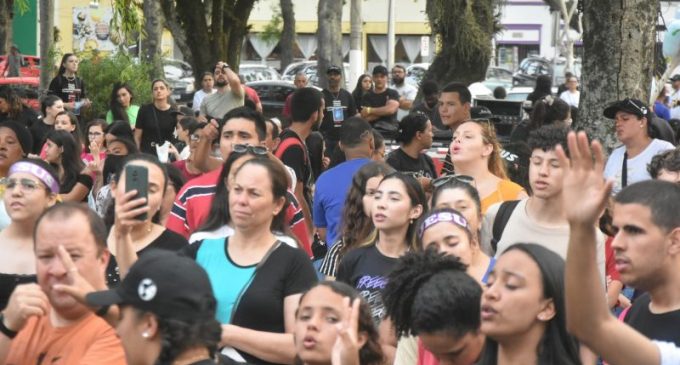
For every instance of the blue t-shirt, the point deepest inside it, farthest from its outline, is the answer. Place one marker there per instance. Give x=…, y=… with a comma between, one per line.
x=662, y=111
x=329, y=196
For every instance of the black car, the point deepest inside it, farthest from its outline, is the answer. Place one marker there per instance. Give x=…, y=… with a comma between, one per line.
x=273, y=94
x=530, y=69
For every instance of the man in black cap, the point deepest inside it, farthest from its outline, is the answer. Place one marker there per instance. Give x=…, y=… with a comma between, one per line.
x=339, y=106
x=380, y=105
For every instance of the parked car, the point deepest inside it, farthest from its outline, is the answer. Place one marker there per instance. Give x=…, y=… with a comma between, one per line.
x=258, y=72
x=519, y=93
x=498, y=76
x=180, y=76
x=30, y=66
x=273, y=95
x=530, y=68
x=28, y=87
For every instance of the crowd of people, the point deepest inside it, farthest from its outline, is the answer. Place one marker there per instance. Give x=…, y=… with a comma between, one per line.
x=165, y=234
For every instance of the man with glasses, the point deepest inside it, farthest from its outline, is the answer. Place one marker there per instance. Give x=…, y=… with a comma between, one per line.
x=229, y=94
x=539, y=218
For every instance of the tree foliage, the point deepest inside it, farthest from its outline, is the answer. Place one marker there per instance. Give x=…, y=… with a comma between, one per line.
x=100, y=73
x=465, y=29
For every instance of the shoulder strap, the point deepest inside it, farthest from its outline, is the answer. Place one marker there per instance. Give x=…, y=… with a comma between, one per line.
x=287, y=143
x=501, y=220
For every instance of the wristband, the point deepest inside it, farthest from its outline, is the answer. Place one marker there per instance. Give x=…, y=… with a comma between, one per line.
x=368, y=110
x=5, y=330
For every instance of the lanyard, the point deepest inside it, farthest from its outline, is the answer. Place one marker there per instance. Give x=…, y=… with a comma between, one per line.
x=624, y=171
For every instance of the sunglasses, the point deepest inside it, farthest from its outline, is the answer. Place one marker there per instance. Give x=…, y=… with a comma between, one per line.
x=255, y=150
x=27, y=185
x=465, y=179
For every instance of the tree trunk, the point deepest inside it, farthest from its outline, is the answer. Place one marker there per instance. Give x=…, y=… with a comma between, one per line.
x=329, y=34
x=618, y=42
x=288, y=35
x=151, y=43
x=465, y=29
x=46, y=42
x=6, y=11
x=178, y=34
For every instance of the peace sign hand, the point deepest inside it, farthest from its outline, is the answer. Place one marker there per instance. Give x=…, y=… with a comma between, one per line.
x=346, y=347
x=77, y=286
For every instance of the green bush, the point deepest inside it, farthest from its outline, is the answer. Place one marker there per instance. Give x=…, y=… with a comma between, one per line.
x=100, y=73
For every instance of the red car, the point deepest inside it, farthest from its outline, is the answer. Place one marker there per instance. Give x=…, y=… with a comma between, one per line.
x=30, y=66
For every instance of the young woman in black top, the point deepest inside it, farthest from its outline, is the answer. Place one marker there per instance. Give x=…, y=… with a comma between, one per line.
x=68, y=86
x=63, y=152
x=415, y=136
x=364, y=84
x=129, y=237
x=155, y=123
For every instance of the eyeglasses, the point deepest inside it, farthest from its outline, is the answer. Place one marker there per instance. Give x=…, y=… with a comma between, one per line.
x=255, y=150
x=27, y=185
x=465, y=179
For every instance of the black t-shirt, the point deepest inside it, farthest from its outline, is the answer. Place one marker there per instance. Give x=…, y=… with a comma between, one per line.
x=26, y=117
x=168, y=240
x=157, y=126
x=296, y=157
x=286, y=271
x=661, y=327
x=379, y=100
x=422, y=166
x=339, y=107
x=366, y=270
x=39, y=131
x=68, y=90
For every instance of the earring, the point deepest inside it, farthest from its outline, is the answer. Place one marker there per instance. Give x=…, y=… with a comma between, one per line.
x=410, y=221
x=145, y=334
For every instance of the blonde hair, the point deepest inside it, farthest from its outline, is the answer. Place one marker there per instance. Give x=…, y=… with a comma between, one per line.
x=495, y=163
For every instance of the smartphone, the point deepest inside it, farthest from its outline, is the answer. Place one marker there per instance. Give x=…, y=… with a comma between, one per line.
x=137, y=178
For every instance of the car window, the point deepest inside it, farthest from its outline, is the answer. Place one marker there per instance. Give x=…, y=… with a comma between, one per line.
x=262, y=91
x=280, y=93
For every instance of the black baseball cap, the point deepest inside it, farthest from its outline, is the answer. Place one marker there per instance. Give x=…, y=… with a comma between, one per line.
x=380, y=70
x=166, y=284
x=628, y=105
x=333, y=68
x=183, y=110
x=675, y=77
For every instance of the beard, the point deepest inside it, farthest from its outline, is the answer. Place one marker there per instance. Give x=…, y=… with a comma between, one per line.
x=397, y=80
x=220, y=83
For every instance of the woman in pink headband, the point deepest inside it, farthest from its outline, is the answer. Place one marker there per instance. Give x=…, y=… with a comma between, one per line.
x=31, y=186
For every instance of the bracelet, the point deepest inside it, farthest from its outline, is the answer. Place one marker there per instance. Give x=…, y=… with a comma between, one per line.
x=368, y=110
x=101, y=312
x=5, y=330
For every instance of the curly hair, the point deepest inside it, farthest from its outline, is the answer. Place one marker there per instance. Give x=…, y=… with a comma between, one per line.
x=668, y=160
x=356, y=226
x=371, y=352
x=178, y=336
x=548, y=137
x=429, y=292
x=12, y=100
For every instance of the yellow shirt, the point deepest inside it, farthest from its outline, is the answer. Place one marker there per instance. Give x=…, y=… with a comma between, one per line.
x=505, y=190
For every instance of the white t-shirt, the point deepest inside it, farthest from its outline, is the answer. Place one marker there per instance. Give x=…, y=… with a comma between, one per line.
x=521, y=228
x=669, y=353
x=198, y=98
x=226, y=231
x=675, y=106
x=571, y=98
x=636, y=166
x=409, y=92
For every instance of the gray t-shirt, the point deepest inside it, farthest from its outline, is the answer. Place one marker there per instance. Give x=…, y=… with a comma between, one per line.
x=217, y=104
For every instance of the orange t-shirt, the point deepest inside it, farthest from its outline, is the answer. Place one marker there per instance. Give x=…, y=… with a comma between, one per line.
x=506, y=190
x=90, y=341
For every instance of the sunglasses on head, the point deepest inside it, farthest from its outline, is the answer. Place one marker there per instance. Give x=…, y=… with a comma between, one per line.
x=465, y=179
x=255, y=150
x=642, y=110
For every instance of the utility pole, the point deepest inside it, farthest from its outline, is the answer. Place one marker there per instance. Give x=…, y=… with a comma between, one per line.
x=390, y=34
x=46, y=40
x=356, y=54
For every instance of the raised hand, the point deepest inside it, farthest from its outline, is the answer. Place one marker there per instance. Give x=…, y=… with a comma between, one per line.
x=346, y=348
x=126, y=209
x=585, y=190
x=27, y=300
x=77, y=286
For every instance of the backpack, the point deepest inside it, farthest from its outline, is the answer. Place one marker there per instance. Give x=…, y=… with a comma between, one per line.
x=501, y=220
x=287, y=143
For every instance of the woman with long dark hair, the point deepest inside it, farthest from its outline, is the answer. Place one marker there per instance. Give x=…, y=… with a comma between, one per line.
x=63, y=153
x=357, y=226
x=130, y=237
x=547, y=110
x=397, y=204
x=364, y=84
x=68, y=86
x=333, y=326
x=542, y=89
x=523, y=311
x=257, y=305
x=11, y=108
x=50, y=106
x=155, y=123
x=120, y=104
